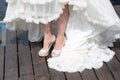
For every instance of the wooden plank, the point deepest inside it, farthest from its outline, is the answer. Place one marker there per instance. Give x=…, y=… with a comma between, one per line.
x=39, y=63
x=114, y=67
x=117, y=43
x=55, y=75
x=26, y=77
x=88, y=75
x=11, y=66
x=1, y=62
x=117, y=9
x=25, y=62
x=104, y=73
x=73, y=76
x=117, y=50
x=41, y=68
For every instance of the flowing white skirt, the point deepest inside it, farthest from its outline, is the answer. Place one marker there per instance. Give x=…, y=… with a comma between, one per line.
x=91, y=28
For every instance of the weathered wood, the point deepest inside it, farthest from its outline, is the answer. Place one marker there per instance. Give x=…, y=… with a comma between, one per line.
x=104, y=74
x=39, y=63
x=88, y=75
x=117, y=50
x=55, y=75
x=73, y=76
x=117, y=9
x=114, y=67
x=11, y=66
x=40, y=70
x=26, y=77
x=1, y=62
x=25, y=62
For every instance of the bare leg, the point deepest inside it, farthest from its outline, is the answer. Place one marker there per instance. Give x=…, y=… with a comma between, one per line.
x=61, y=23
x=48, y=36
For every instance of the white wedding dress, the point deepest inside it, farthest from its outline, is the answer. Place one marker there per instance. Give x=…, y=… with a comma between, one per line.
x=91, y=28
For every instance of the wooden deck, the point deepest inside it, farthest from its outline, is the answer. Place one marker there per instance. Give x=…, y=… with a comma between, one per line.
x=19, y=60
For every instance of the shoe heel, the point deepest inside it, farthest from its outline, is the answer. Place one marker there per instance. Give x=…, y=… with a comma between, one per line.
x=56, y=53
x=45, y=52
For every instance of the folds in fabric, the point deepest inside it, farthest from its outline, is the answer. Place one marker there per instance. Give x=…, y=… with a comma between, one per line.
x=44, y=11
x=95, y=20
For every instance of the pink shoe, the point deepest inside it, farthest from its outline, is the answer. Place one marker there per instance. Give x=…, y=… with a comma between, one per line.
x=45, y=52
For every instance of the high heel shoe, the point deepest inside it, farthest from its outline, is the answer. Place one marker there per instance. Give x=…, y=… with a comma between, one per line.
x=44, y=52
x=56, y=53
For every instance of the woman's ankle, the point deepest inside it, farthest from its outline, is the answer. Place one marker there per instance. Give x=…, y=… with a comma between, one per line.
x=60, y=41
x=47, y=40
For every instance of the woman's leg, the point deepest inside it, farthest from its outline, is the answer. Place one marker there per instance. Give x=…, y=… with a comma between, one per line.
x=49, y=39
x=61, y=23
x=48, y=36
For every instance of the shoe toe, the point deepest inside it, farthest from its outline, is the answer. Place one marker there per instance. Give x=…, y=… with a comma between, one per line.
x=55, y=53
x=43, y=52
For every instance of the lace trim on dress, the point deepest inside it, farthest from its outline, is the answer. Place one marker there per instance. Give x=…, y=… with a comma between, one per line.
x=78, y=5
x=40, y=2
x=32, y=20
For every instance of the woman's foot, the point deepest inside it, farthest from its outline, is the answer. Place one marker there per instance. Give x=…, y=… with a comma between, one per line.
x=47, y=43
x=60, y=42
